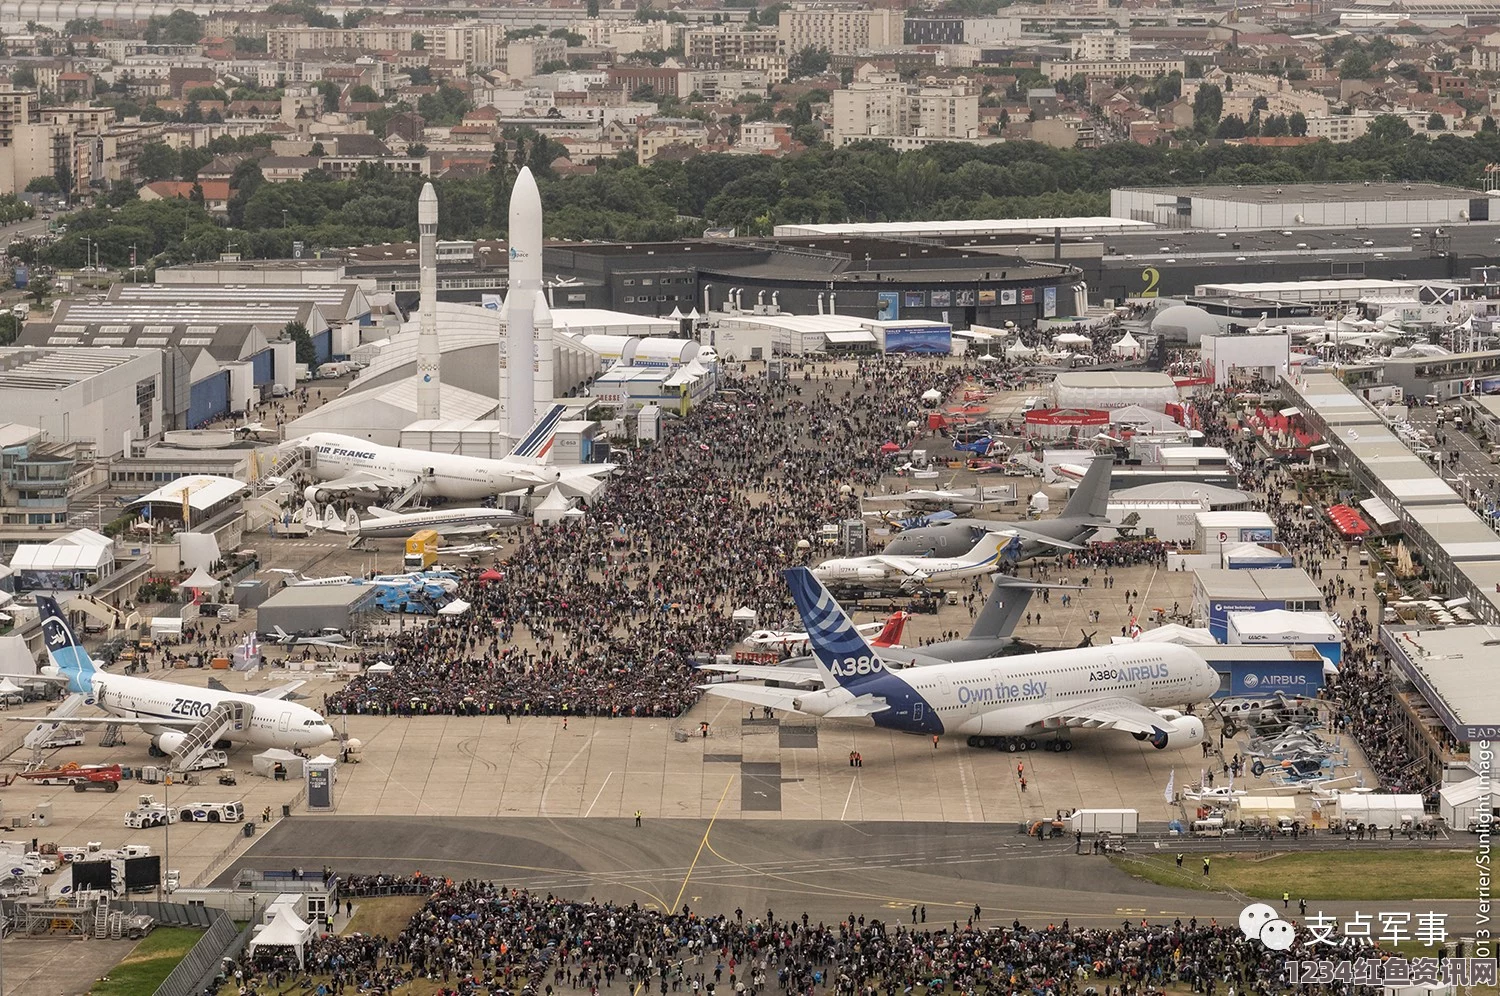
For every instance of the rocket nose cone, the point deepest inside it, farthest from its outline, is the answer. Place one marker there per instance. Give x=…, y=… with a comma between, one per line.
x=539, y=310
x=525, y=186
x=428, y=194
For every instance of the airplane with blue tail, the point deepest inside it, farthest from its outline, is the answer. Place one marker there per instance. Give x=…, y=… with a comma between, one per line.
x=995, y=702
x=165, y=710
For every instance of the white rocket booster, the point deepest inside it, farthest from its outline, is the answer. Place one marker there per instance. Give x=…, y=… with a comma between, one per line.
x=525, y=287
x=541, y=322
x=429, y=352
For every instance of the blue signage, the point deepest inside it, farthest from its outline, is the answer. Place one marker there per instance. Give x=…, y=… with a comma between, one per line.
x=888, y=305
x=936, y=339
x=1265, y=678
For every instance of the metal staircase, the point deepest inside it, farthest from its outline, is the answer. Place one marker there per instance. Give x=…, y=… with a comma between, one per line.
x=101, y=916
x=286, y=464
x=113, y=735
x=224, y=718
x=411, y=492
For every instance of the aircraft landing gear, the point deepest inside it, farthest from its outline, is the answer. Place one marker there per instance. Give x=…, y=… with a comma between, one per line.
x=1008, y=744
x=156, y=751
x=1059, y=744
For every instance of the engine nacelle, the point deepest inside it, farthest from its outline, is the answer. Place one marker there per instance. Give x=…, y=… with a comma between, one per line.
x=1177, y=733
x=318, y=495
x=170, y=742
x=870, y=574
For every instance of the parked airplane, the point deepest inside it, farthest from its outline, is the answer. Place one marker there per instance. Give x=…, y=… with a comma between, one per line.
x=991, y=701
x=383, y=522
x=1086, y=511
x=253, y=429
x=888, y=633
x=167, y=711
x=342, y=464
x=326, y=638
x=442, y=581
x=931, y=499
x=910, y=573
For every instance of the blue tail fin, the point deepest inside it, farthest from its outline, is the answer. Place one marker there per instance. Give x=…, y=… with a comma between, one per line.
x=842, y=654
x=67, y=653
x=539, y=439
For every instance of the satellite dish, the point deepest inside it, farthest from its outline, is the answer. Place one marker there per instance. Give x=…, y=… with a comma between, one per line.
x=1298, y=219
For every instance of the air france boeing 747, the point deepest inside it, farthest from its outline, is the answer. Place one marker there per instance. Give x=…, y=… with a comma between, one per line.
x=1129, y=688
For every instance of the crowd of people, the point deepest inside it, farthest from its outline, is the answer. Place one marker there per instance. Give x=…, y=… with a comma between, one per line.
x=477, y=937
x=614, y=611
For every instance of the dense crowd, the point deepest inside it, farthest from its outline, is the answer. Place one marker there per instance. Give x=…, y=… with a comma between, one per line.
x=615, y=609
x=479, y=938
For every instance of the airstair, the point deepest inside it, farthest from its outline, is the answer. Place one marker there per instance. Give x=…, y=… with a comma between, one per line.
x=222, y=719
x=286, y=464
x=411, y=492
x=101, y=916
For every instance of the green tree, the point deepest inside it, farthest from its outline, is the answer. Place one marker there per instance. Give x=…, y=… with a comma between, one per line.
x=1435, y=122
x=181, y=27
x=593, y=8
x=809, y=61
x=10, y=328
x=1297, y=123
x=1208, y=105
x=418, y=42
x=43, y=185
x=354, y=17
x=306, y=352
x=1355, y=66
x=363, y=94
x=24, y=78
x=158, y=161
x=39, y=288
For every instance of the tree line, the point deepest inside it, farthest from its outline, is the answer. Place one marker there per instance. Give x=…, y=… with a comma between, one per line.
x=624, y=201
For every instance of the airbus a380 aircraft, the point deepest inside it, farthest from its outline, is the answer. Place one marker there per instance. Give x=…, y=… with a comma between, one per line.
x=164, y=709
x=1118, y=687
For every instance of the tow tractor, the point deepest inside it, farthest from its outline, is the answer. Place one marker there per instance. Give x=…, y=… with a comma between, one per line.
x=81, y=776
x=149, y=813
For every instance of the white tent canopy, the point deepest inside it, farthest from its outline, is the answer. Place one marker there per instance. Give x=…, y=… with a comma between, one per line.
x=1019, y=349
x=1459, y=803
x=288, y=930
x=743, y=614
x=1127, y=346
x=1186, y=636
x=200, y=580
x=457, y=607
x=1072, y=339
x=380, y=668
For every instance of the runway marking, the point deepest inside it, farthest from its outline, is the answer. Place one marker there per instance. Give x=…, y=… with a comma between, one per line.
x=702, y=844
x=847, y=799
x=607, y=777
x=588, y=742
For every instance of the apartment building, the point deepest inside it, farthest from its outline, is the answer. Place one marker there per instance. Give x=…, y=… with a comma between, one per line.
x=1061, y=69
x=658, y=133
x=883, y=108
x=731, y=45
x=1101, y=46
x=525, y=57
x=839, y=29
x=17, y=107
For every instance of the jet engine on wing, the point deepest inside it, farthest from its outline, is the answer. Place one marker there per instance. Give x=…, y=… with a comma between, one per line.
x=170, y=741
x=1177, y=731
x=319, y=496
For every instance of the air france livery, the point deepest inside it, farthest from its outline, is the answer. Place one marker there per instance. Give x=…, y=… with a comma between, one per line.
x=990, y=701
x=164, y=709
x=344, y=464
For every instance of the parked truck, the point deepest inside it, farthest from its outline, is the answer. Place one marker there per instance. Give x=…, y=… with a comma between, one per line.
x=421, y=550
x=1097, y=821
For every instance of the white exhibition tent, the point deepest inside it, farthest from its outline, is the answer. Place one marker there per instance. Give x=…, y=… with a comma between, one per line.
x=744, y=614
x=288, y=930
x=1127, y=347
x=1019, y=350
x=1380, y=809
x=1186, y=636
x=264, y=763
x=380, y=668
x=1461, y=802
x=457, y=607
x=200, y=580
x=1072, y=339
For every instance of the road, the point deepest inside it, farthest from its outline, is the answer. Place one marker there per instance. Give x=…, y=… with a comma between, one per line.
x=825, y=868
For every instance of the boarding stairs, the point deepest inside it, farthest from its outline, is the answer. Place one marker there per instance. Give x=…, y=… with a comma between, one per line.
x=286, y=464
x=101, y=916
x=114, y=735
x=222, y=719
x=411, y=492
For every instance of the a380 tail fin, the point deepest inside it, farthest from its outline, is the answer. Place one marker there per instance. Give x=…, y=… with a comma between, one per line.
x=64, y=649
x=840, y=651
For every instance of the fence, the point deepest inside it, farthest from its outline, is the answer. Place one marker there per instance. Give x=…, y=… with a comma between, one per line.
x=203, y=960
